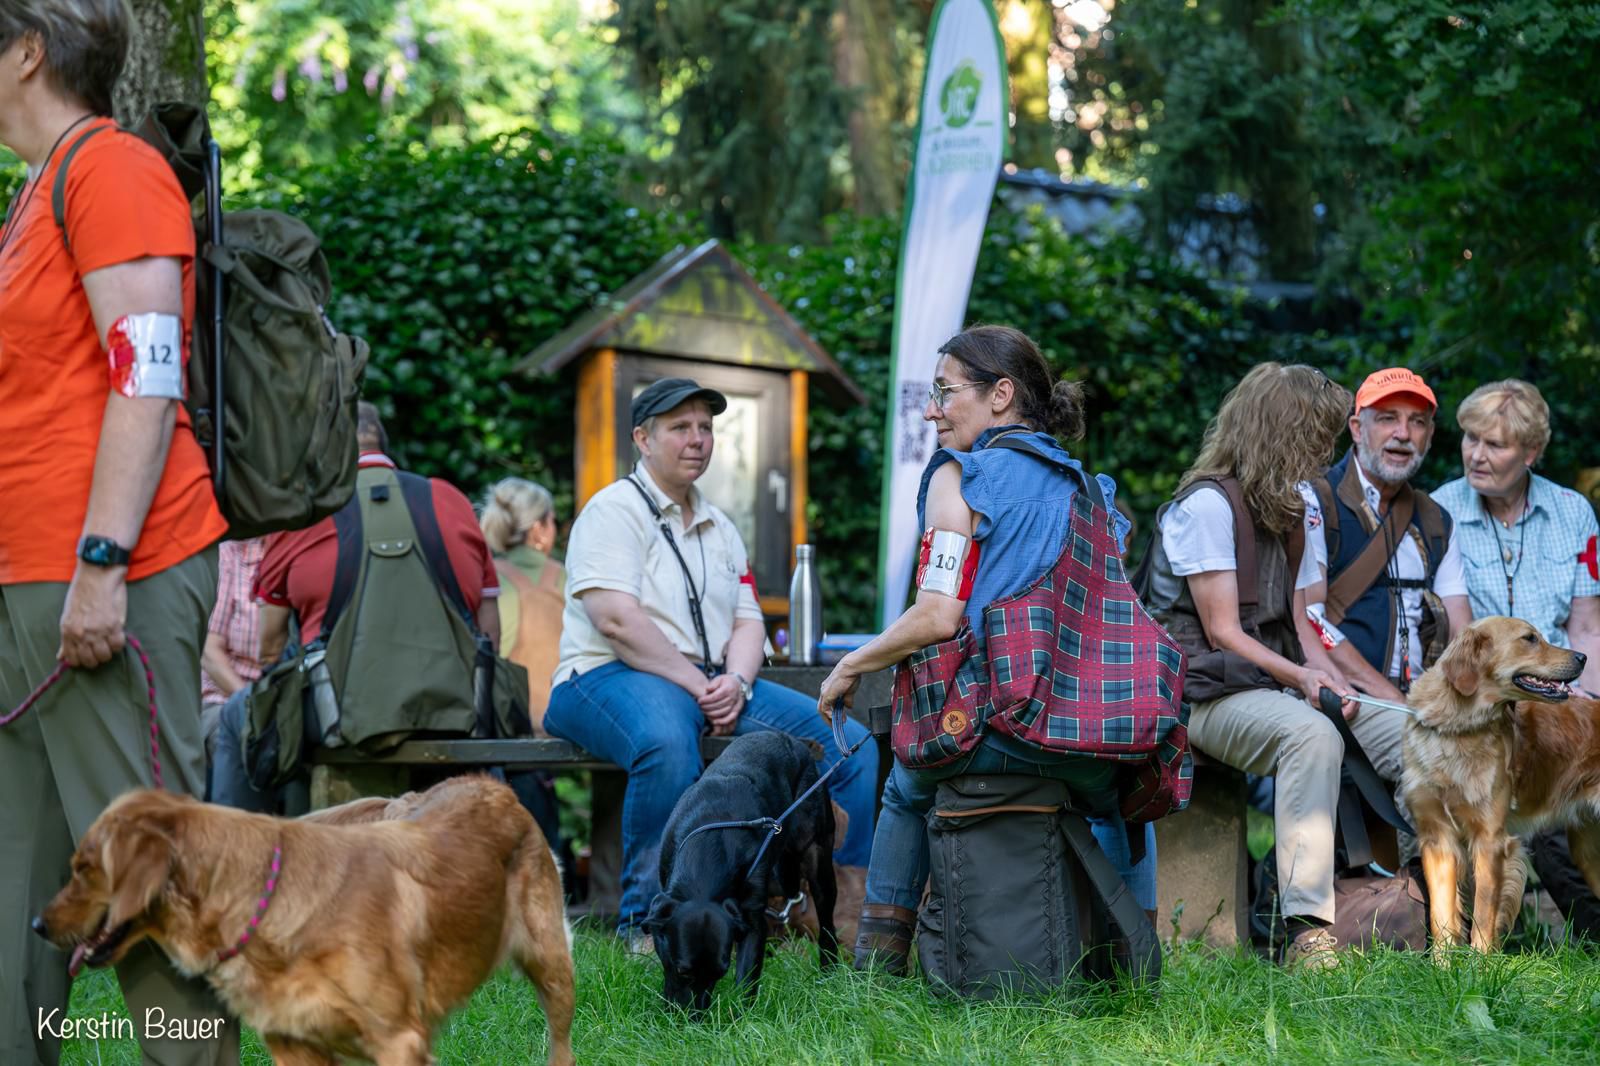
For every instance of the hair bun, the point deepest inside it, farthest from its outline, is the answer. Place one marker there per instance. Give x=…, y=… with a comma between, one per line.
x=1066, y=417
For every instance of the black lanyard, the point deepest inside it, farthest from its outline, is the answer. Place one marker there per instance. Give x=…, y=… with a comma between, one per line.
x=695, y=614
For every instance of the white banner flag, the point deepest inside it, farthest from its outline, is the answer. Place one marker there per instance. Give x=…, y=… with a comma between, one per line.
x=961, y=137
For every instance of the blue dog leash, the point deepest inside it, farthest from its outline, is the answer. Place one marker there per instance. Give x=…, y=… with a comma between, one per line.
x=774, y=826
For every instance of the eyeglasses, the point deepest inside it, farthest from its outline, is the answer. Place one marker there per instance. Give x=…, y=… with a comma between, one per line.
x=939, y=394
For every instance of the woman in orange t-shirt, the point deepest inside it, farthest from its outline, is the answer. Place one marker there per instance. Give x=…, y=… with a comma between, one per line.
x=107, y=518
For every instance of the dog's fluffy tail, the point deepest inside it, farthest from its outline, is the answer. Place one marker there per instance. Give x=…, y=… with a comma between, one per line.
x=1512, y=885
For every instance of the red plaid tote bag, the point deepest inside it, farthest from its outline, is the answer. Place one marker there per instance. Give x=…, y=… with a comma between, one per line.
x=1074, y=665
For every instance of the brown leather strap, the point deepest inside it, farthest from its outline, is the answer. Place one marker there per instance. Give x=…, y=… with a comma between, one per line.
x=1354, y=580
x=1013, y=808
x=1244, y=535
x=889, y=911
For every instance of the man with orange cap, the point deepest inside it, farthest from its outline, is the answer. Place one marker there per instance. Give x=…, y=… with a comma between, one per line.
x=1394, y=588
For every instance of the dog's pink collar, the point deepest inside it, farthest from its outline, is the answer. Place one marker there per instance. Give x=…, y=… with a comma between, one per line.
x=261, y=907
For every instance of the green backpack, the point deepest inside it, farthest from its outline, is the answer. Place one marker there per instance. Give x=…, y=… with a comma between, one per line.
x=272, y=385
x=400, y=653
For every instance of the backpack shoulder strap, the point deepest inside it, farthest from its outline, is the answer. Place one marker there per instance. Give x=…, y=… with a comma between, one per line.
x=1089, y=485
x=1352, y=583
x=1435, y=524
x=419, y=501
x=347, y=567
x=1330, y=514
x=58, y=191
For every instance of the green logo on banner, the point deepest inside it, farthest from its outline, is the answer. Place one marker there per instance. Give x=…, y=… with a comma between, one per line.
x=958, y=98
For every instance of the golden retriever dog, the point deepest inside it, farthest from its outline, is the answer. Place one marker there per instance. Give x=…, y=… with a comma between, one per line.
x=382, y=917
x=1498, y=749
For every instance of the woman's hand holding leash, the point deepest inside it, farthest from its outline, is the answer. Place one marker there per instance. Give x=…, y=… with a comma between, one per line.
x=92, y=618
x=838, y=689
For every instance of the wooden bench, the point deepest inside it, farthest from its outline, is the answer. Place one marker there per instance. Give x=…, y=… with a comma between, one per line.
x=1202, y=863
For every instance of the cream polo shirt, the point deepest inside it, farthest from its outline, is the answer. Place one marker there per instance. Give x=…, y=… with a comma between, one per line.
x=615, y=544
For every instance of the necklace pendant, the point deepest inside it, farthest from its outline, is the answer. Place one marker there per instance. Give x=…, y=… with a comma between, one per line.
x=1506, y=554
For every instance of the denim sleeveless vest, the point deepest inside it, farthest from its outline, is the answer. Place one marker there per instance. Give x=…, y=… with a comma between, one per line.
x=1024, y=512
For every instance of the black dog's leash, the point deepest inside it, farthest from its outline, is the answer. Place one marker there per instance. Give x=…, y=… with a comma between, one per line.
x=774, y=826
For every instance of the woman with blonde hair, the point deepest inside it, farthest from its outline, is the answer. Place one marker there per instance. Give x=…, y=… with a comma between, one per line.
x=1226, y=576
x=1528, y=544
x=1529, y=551
x=519, y=524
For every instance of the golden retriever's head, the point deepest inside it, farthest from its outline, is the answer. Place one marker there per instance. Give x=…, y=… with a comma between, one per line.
x=1493, y=662
x=120, y=874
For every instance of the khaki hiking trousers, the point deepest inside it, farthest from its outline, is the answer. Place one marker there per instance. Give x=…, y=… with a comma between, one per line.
x=83, y=744
x=1265, y=731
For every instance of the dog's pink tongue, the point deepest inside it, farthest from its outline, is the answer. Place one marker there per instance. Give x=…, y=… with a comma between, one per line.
x=79, y=953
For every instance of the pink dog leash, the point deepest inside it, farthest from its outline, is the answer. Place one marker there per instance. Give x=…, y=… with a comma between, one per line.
x=261, y=907
x=150, y=681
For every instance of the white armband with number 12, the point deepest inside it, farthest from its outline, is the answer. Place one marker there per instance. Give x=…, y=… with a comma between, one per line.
x=147, y=353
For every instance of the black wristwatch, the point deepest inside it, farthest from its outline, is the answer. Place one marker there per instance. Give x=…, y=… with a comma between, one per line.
x=102, y=551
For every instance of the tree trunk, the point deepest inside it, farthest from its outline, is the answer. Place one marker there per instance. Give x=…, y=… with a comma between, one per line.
x=1026, y=26
x=164, y=58
x=865, y=63
x=1281, y=192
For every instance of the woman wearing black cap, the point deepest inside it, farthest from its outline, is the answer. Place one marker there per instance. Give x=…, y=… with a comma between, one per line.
x=662, y=638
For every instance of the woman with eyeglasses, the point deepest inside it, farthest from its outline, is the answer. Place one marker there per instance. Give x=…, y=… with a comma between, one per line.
x=1002, y=516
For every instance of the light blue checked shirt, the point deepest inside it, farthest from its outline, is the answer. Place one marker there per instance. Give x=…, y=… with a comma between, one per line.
x=1556, y=540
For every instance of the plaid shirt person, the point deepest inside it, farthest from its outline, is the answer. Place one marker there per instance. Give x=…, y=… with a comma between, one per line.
x=233, y=619
x=1552, y=549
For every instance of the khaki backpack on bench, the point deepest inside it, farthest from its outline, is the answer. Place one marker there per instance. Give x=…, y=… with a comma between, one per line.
x=400, y=654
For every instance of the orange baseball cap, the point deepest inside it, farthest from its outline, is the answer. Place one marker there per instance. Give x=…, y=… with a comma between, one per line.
x=1395, y=381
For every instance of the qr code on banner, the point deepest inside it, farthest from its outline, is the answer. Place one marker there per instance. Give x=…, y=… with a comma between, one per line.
x=912, y=435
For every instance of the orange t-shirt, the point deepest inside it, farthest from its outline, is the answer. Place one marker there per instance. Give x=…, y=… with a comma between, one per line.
x=123, y=203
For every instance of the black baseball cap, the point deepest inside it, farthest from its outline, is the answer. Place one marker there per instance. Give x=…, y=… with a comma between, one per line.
x=668, y=393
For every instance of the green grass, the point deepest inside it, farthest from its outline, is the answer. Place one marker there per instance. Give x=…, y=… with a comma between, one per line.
x=1382, y=1007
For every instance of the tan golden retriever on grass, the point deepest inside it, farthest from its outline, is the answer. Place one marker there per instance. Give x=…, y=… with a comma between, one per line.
x=1498, y=747
x=385, y=915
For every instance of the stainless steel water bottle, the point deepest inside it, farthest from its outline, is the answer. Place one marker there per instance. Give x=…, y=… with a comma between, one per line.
x=805, y=609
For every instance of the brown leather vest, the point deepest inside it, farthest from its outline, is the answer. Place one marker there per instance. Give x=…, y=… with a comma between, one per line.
x=1267, y=565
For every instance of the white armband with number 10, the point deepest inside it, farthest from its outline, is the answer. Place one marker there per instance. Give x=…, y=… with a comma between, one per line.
x=147, y=353
x=947, y=563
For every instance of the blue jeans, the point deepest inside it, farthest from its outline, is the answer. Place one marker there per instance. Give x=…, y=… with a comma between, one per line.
x=651, y=728
x=900, y=849
x=226, y=780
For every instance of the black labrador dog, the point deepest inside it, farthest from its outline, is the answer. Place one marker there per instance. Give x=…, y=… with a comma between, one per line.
x=712, y=902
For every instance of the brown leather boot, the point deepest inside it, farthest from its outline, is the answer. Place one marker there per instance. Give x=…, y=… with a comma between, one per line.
x=852, y=885
x=884, y=940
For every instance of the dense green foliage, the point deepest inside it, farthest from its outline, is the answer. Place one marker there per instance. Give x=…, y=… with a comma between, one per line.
x=456, y=263
x=750, y=112
x=298, y=84
x=1388, y=1007
x=1478, y=175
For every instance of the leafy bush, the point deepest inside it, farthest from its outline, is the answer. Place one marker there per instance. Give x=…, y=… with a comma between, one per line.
x=456, y=263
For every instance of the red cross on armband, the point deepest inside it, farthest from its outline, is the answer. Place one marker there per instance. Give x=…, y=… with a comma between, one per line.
x=1590, y=557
